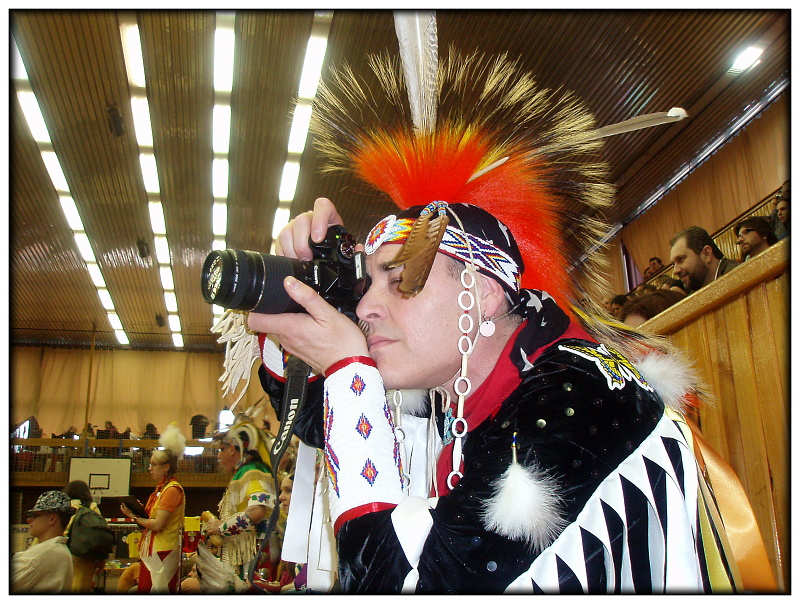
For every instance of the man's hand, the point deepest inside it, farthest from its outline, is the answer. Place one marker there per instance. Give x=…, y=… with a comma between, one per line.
x=293, y=239
x=320, y=338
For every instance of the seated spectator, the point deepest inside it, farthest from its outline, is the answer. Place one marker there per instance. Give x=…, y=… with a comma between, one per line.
x=199, y=424
x=642, y=289
x=45, y=567
x=639, y=310
x=697, y=259
x=150, y=432
x=653, y=266
x=617, y=302
x=111, y=429
x=753, y=236
x=779, y=218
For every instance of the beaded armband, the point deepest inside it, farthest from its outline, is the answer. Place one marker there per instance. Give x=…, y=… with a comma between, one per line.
x=233, y=525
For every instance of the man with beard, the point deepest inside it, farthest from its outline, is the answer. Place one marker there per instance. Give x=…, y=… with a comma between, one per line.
x=753, y=236
x=698, y=260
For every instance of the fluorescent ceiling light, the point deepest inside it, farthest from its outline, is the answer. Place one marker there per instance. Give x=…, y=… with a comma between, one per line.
x=113, y=320
x=193, y=450
x=746, y=59
x=95, y=274
x=291, y=170
x=177, y=340
x=224, y=40
x=217, y=310
x=221, y=126
x=162, y=249
x=166, y=277
x=299, y=131
x=157, y=218
x=33, y=115
x=171, y=301
x=54, y=170
x=174, y=322
x=218, y=244
x=71, y=213
x=122, y=337
x=105, y=299
x=312, y=66
x=132, y=50
x=219, y=219
x=219, y=178
x=149, y=172
x=84, y=247
x=18, y=71
x=281, y=220
x=141, y=121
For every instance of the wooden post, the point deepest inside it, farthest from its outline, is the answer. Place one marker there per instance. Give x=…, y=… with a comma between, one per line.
x=85, y=431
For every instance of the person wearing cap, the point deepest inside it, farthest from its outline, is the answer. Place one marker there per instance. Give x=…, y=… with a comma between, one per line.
x=45, y=567
x=555, y=457
x=160, y=546
x=248, y=499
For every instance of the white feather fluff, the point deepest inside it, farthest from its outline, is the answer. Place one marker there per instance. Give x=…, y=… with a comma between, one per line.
x=173, y=439
x=525, y=507
x=415, y=402
x=671, y=376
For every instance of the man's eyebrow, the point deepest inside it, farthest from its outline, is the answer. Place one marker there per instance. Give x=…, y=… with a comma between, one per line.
x=386, y=267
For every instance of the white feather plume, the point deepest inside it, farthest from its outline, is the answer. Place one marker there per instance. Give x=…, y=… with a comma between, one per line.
x=419, y=52
x=671, y=376
x=173, y=439
x=414, y=401
x=216, y=577
x=525, y=507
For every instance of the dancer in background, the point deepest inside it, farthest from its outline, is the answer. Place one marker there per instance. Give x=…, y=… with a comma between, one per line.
x=160, y=547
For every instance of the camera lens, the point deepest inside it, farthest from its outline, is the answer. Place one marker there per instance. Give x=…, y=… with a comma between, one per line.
x=245, y=280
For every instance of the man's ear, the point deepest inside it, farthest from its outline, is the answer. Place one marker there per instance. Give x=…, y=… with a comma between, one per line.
x=493, y=297
x=707, y=254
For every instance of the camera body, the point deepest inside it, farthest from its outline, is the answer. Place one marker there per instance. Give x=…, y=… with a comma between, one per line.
x=253, y=281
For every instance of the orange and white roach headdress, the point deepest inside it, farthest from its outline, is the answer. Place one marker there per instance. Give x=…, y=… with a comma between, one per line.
x=473, y=130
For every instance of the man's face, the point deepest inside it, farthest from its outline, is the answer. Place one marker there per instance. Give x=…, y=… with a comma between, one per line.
x=783, y=210
x=750, y=241
x=40, y=523
x=414, y=341
x=228, y=457
x=689, y=266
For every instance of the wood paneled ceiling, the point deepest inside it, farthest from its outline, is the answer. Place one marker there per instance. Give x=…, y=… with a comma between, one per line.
x=622, y=63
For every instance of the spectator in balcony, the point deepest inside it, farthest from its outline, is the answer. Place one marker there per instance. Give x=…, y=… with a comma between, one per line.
x=150, y=432
x=640, y=309
x=111, y=429
x=89, y=429
x=697, y=259
x=45, y=567
x=779, y=217
x=617, y=302
x=85, y=571
x=199, y=424
x=753, y=236
x=653, y=266
x=160, y=547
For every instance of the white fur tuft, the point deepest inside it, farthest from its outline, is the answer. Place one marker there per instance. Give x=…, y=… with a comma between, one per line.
x=525, y=507
x=414, y=402
x=672, y=377
x=173, y=439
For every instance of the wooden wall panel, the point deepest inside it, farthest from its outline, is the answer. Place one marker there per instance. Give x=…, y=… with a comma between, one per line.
x=739, y=343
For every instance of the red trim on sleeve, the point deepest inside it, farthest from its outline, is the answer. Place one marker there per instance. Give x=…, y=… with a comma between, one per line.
x=361, y=510
x=346, y=361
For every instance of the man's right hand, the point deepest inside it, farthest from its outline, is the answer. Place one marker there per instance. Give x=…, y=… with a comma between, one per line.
x=292, y=241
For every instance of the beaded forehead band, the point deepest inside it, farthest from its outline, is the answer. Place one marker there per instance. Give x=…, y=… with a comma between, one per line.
x=486, y=256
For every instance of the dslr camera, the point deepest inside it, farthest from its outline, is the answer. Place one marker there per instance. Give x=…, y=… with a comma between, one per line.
x=247, y=280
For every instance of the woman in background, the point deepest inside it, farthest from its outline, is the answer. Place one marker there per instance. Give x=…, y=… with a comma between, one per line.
x=160, y=547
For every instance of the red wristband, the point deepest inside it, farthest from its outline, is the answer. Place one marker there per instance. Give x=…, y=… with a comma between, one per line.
x=346, y=361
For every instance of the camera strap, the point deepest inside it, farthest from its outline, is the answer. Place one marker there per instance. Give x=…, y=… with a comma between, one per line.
x=294, y=397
